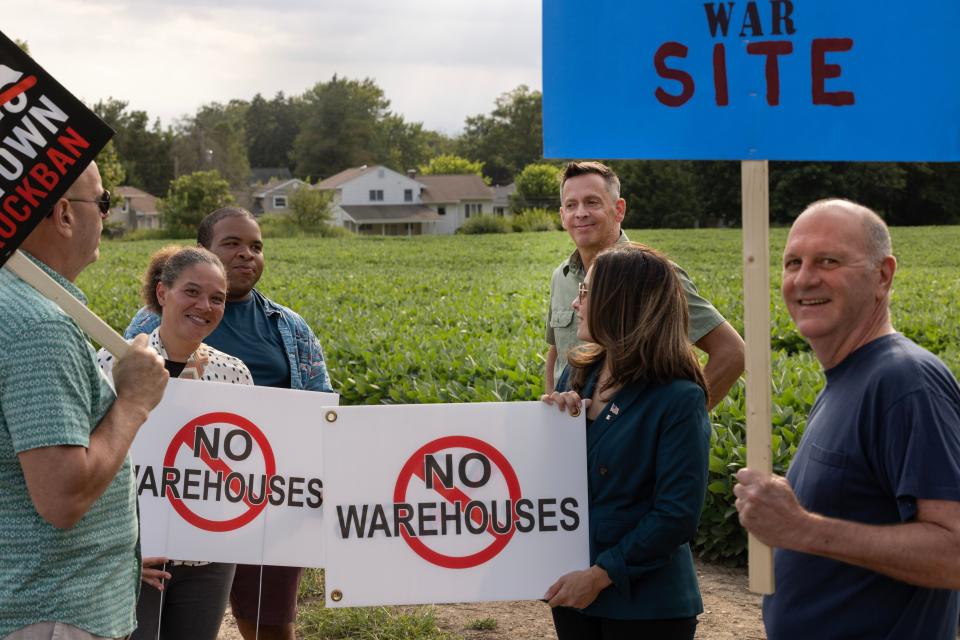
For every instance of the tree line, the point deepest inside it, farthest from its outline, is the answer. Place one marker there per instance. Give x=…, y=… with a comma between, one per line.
x=344, y=123
x=334, y=125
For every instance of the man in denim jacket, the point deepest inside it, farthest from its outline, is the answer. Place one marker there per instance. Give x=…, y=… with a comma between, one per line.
x=281, y=351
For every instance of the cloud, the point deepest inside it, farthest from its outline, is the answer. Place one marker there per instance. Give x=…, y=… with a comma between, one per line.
x=437, y=62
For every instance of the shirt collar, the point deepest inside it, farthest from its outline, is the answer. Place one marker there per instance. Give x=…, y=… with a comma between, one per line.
x=575, y=262
x=63, y=282
x=196, y=363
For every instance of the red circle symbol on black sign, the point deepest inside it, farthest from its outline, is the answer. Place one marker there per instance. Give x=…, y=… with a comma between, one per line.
x=414, y=467
x=186, y=436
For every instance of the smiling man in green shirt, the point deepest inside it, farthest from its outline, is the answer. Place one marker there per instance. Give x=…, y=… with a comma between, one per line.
x=591, y=211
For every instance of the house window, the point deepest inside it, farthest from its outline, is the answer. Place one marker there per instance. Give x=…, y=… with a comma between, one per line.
x=441, y=211
x=472, y=208
x=376, y=195
x=126, y=205
x=279, y=202
x=408, y=195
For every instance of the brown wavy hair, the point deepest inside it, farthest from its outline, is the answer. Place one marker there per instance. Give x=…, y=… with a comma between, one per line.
x=638, y=317
x=167, y=264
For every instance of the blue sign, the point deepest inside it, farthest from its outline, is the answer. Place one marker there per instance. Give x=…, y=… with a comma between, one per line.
x=869, y=80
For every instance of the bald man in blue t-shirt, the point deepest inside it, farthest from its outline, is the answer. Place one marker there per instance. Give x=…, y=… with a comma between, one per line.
x=866, y=525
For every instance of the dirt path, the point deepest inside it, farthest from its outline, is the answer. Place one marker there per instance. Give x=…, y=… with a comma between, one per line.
x=730, y=613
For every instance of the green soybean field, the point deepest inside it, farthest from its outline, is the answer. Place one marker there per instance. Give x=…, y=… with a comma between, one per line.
x=461, y=319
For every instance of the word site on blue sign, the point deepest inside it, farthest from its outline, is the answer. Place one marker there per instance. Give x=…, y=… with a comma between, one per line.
x=868, y=80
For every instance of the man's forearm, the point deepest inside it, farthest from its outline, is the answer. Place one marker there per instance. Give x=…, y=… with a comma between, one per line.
x=721, y=374
x=110, y=442
x=725, y=349
x=81, y=475
x=922, y=553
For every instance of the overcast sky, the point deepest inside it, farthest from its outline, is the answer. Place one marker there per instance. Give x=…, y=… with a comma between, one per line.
x=437, y=61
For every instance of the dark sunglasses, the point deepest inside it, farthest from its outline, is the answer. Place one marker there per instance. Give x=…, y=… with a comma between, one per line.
x=103, y=203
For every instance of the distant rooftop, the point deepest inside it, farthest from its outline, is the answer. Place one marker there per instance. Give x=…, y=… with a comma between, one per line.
x=346, y=175
x=454, y=188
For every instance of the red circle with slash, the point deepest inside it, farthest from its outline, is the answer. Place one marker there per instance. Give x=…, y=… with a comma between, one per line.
x=185, y=437
x=414, y=467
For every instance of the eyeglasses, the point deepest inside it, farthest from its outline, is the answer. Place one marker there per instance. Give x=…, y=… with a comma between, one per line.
x=103, y=203
x=582, y=292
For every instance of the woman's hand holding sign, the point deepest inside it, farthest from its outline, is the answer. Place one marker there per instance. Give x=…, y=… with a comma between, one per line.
x=155, y=577
x=578, y=589
x=566, y=401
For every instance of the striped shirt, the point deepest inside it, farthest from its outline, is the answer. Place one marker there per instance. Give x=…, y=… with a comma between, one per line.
x=53, y=393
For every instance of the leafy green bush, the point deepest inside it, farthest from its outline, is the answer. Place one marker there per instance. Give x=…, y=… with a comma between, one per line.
x=310, y=208
x=538, y=185
x=191, y=197
x=796, y=381
x=535, y=220
x=485, y=224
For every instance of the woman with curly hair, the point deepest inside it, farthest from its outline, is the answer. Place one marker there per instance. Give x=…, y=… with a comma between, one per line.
x=187, y=287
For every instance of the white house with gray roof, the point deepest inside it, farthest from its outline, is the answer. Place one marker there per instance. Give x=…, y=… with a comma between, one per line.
x=134, y=209
x=375, y=200
x=274, y=197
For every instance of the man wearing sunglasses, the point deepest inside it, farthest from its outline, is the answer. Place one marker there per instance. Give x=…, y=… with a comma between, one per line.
x=103, y=203
x=69, y=564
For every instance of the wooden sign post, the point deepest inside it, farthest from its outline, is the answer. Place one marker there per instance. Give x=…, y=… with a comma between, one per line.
x=756, y=322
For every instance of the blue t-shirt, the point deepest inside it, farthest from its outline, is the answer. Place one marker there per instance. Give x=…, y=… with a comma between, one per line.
x=246, y=332
x=884, y=432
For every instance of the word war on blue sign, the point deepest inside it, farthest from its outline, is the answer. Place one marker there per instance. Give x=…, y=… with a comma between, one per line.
x=766, y=80
x=47, y=139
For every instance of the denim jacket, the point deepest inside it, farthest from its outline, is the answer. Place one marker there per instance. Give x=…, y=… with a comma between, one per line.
x=307, y=367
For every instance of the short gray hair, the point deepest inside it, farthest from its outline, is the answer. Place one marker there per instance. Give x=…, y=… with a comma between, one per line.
x=876, y=236
x=574, y=169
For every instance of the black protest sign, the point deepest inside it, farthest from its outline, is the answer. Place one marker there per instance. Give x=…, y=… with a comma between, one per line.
x=47, y=138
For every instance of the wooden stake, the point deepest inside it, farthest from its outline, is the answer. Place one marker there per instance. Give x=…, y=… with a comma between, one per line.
x=756, y=322
x=90, y=322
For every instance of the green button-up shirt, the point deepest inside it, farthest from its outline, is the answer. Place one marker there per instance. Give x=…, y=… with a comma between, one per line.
x=52, y=393
x=562, y=322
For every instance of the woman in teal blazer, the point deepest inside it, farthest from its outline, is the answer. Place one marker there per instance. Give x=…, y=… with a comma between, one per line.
x=648, y=437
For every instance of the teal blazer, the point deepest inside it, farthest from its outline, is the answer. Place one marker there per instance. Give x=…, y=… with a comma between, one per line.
x=647, y=463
